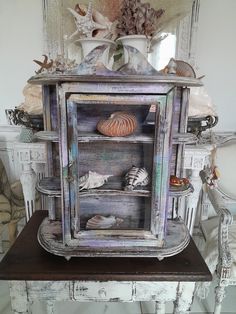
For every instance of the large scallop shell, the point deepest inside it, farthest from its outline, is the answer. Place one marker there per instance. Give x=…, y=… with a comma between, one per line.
x=118, y=124
x=102, y=222
x=136, y=177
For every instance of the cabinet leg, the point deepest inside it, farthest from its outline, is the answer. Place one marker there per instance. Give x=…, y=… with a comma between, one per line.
x=19, y=298
x=184, y=297
x=159, y=307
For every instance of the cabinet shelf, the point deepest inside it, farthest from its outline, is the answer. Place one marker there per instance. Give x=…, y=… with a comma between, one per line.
x=51, y=186
x=178, y=138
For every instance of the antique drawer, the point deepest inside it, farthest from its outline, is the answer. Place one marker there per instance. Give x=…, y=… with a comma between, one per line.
x=154, y=291
x=102, y=291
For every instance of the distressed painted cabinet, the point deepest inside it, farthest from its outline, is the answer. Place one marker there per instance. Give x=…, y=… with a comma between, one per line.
x=73, y=105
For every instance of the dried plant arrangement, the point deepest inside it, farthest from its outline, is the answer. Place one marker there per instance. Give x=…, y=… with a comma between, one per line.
x=138, y=18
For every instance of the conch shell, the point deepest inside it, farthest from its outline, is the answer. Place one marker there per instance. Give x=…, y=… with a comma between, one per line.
x=98, y=18
x=118, y=124
x=136, y=177
x=101, y=222
x=90, y=22
x=92, y=180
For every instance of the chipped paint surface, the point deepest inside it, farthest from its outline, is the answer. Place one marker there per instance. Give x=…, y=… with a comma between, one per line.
x=24, y=293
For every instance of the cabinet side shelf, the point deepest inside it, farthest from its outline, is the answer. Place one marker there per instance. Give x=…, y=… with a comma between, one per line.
x=178, y=138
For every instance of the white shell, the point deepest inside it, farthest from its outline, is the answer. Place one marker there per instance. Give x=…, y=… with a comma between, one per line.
x=136, y=177
x=101, y=222
x=85, y=23
x=102, y=20
x=92, y=180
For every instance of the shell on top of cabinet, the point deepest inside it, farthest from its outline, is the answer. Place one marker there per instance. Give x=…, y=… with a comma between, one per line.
x=118, y=124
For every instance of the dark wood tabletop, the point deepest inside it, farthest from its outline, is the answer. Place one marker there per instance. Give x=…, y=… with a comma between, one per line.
x=27, y=260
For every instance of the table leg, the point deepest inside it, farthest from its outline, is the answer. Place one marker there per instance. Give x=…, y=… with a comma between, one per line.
x=184, y=297
x=159, y=307
x=219, y=296
x=50, y=307
x=19, y=297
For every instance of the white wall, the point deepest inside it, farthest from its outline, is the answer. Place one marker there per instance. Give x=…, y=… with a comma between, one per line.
x=21, y=41
x=216, y=57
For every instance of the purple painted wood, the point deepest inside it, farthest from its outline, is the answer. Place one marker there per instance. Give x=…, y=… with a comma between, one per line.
x=161, y=166
x=81, y=101
x=64, y=168
x=73, y=176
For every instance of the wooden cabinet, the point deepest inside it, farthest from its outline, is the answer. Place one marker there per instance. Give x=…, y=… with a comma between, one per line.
x=112, y=220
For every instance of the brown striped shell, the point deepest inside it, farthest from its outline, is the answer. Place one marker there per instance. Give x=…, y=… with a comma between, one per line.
x=118, y=124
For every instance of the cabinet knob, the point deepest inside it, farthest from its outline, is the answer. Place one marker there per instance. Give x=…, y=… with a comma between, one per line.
x=102, y=292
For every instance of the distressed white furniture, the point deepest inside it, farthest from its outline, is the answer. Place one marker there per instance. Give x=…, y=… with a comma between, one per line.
x=24, y=161
x=31, y=158
x=195, y=159
x=220, y=231
x=41, y=276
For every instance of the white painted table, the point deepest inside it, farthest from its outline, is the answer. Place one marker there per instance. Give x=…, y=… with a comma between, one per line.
x=35, y=275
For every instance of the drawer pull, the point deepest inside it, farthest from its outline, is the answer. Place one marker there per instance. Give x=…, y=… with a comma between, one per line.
x=102, y=293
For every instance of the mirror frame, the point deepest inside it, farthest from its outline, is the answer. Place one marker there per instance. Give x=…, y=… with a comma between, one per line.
x=186, y=40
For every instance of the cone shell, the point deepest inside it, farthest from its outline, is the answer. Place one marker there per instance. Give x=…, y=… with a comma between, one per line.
x=118, y=124
x=101, y=222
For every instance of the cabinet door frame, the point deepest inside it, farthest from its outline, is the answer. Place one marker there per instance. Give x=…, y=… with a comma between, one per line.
x=163, y=100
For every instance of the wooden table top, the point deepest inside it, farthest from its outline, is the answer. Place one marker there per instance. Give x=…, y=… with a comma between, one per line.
x=27, y=260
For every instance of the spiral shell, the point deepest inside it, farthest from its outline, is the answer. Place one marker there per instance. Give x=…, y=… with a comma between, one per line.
x=136, y=177
x=92, y=180
x=118, y=124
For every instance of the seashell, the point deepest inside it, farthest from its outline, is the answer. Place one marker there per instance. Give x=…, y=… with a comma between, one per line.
x=84, y=21
x=97, y=18
x=92, y=180
x=182, y=68
x=175, y=181
x=118, y=124
x=136, y=177
x=101, y=222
